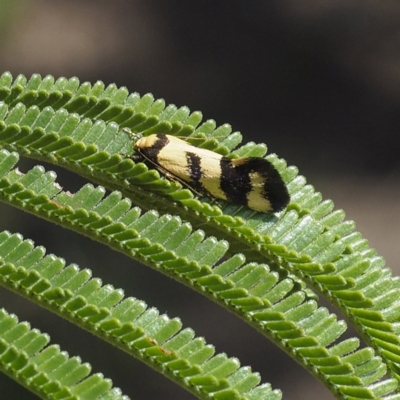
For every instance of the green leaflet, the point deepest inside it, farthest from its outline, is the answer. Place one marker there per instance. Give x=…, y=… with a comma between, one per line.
x=79, y=126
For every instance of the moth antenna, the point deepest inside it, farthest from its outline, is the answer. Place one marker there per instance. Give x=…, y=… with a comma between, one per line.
x=133, y=135
x=138, y=135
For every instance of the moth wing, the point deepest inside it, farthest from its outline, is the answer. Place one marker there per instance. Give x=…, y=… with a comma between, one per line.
x=266, y=181
x=175, y=158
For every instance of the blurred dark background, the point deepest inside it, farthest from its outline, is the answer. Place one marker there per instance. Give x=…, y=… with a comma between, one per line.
x=318, y=81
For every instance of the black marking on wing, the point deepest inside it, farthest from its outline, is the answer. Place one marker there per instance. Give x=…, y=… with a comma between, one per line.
x=151, y=153
x=274, y=188
x=194, y=170
x=236, y=181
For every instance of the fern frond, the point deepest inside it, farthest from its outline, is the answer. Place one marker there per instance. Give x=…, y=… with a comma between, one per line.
x=80, y=128
x=250, y=290
x=126, y=323
x=26, y=357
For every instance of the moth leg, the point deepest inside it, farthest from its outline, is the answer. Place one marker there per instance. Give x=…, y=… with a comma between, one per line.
x=200, y=194
x=134, y=157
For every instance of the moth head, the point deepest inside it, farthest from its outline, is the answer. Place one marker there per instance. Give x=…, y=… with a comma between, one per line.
x=145, y=142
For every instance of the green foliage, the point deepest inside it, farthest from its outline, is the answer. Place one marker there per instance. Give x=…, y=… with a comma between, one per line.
x=265, y=268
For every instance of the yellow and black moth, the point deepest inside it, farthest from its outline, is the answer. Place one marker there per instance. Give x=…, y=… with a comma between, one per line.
x=249, y=181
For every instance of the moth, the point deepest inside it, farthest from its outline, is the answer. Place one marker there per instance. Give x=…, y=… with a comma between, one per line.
x=249, y=181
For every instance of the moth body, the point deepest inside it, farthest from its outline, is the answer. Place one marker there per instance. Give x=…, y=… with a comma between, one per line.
x=250, y=181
